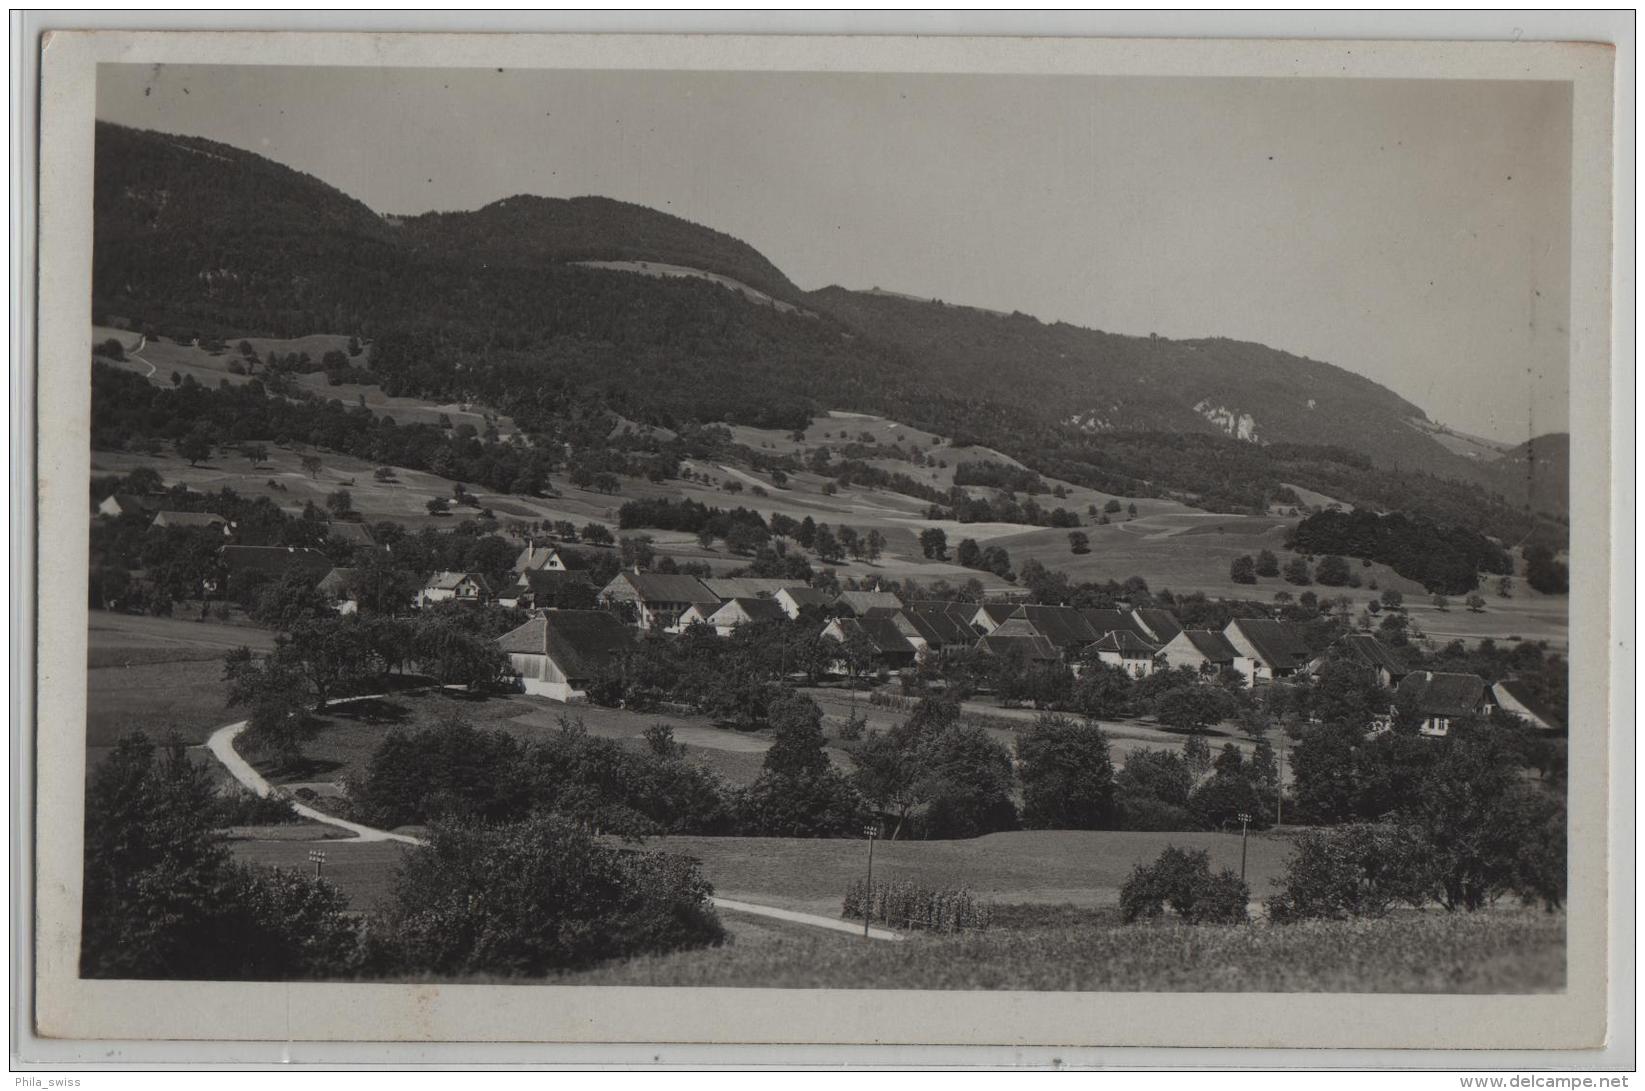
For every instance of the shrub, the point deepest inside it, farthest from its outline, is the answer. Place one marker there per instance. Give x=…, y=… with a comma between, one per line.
x=1357, y=870
x=1157, y=774
x=1220, y=801
x=1332, y=571
x=449, y=769
x=539, y=895
x=1183, y=880
x=824, y=805
x=244, y=808
x=914, y=905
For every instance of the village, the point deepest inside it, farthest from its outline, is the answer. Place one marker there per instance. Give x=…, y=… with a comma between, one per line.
x=561, y=650
x=672, y=624
x=953, y=720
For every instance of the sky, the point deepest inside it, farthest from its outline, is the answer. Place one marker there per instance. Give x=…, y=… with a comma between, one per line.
x=1415, y=232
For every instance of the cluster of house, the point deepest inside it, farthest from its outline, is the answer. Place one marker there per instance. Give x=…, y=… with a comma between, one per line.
x=561, y=650
x=558, y=652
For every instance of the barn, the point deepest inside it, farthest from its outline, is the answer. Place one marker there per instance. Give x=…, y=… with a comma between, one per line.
x=558, y=654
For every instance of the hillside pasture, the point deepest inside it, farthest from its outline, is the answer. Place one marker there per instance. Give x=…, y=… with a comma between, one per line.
x=839, y=428
x=1169, y=545
x=157, y=675
x=158, y=359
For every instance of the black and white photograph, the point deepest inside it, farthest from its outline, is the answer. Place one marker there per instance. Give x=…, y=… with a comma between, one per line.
x=958, y=531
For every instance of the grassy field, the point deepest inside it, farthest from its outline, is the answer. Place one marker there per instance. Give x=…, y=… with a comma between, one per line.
x=157, y=675
x=1033, y=867
x=1079, y=867
x=1064, y=949
x=1004, y=724
x=350, y=733
x=210, y=368
x=1067, y=943
x=363, y=870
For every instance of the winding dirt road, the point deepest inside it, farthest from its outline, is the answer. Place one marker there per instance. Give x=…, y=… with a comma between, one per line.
x=221, y=745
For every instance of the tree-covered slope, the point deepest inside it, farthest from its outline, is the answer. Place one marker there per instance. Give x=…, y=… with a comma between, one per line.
x=196, y=238
x=1104, y=382
x=522, y=230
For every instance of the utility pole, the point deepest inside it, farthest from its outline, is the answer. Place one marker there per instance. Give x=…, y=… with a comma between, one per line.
x=868, y=891
x=1244, y=827
x=1279, y=786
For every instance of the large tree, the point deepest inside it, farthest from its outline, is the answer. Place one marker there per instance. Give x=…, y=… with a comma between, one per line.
x=1067, y=776
x=163, y=898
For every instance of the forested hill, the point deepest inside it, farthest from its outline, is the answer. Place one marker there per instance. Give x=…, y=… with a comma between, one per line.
x=1105, y=382
x=196, y=239
x=525, y=229
x=1539, y=470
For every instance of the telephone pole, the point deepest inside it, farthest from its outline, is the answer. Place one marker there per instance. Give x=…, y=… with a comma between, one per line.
x=1244, y=836
x=1279, y=786
x=868, y=891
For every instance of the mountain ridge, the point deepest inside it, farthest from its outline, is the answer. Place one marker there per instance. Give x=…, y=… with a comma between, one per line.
x=492, y=303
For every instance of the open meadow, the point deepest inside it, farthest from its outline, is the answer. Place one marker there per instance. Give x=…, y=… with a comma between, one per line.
x=158, y=675
x=1045, y=937
x=1078, y=867
x=1083, y=868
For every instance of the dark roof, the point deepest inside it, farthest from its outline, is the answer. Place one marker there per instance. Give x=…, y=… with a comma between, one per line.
x=1063, y=626
x=860, y=602
x=1017, y=626
x=1162, y=623
x=189, y=518
x=1519, y=690
x=746, y=587
x=1124, y=642
x=960, y=612
x=352, y=533
x=1032, y=648
x=131, y=502
x=580, y=642
x=550, y=579
x=577, y=560
x=1366, y=649
x=664, y=587
x=339, y=581
x=1212, y=645
x=1442, y=694
x=940, y=626
x=807, y=596
x=757, y=609
x=883, y=630
x=532, y=556
x=1276, y=642
x=1113, y=621
x=274, y=559
x=996, y=612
